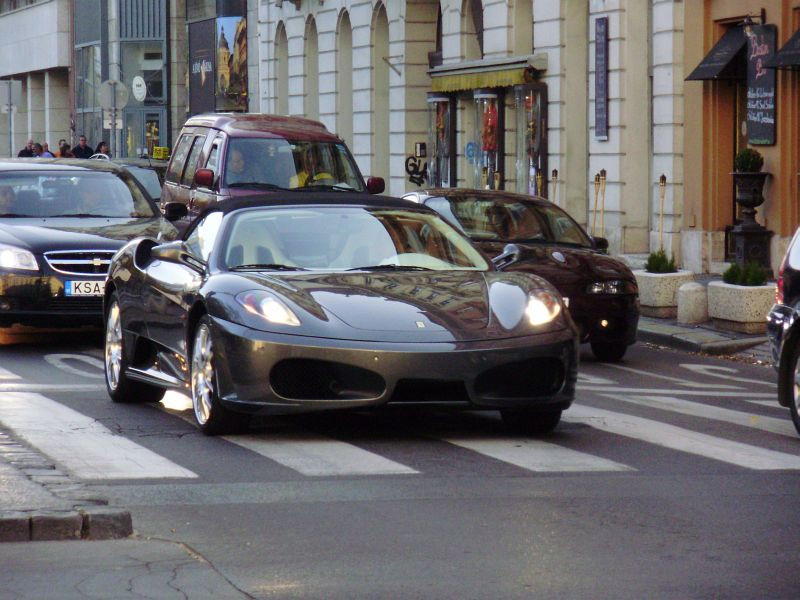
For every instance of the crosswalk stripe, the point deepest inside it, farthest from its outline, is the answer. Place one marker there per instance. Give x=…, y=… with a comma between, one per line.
x=51, y=387
x=317, y=455
x=85, y=447
x=684, y=440
x=673, y=392
x=717, y=413
x=6, y=374
x=536, y=455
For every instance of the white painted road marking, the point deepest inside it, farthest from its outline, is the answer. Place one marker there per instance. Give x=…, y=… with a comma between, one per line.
x=684, y=440
x=674, y=392
x=317, y=455
x=726, y=373
x=716, y=413
x=536, y=455
x=59, y=361
x=85, y=447
x=6, y=374
x=51, y=387
x=679, y=381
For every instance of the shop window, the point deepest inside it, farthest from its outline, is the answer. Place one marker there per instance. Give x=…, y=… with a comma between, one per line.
x=489, y=128
x=441, y=140
x=144, y=60
x=531, y=134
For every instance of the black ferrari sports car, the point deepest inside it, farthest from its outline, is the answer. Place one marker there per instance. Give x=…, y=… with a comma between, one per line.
x=317, y=301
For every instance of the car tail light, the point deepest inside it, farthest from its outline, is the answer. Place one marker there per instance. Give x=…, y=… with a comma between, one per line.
x=779, y=287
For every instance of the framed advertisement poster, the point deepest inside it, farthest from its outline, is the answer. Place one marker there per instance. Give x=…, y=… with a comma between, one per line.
x=201, y=67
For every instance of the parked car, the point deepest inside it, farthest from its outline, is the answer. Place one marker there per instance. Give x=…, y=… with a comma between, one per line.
x=61, y=221
x=219, y=156
x=267, y=306
x=783, y=330
x=601, y=291
x=149, y=172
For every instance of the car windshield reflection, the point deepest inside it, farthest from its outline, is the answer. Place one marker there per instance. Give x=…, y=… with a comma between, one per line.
x=347, y=239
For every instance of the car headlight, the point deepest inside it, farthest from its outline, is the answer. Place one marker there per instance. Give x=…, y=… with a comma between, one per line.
x=542, y=308
x=12, y=257
x=612, y=286
x=267, y=306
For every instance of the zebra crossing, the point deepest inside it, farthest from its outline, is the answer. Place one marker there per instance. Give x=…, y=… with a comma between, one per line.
x=90, y=450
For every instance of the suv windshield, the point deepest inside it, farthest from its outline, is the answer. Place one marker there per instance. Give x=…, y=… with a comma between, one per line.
x=290, y=164
x=54, y=194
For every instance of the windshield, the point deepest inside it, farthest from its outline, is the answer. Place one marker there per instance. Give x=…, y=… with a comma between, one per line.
x=510, y=221
x=54, y=194
x=149, y=180
x=288, y=164
x=340, y=238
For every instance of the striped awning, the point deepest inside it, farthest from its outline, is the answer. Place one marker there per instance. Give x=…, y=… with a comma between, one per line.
x=496, y=73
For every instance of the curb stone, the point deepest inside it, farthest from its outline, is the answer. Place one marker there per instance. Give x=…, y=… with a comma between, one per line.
x=89, y=518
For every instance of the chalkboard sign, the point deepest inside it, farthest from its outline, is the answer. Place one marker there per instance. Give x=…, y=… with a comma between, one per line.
x=761, y=86
x=601, y=78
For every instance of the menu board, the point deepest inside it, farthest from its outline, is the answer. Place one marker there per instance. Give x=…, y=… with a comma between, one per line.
x=761, y=86
x=601, y=78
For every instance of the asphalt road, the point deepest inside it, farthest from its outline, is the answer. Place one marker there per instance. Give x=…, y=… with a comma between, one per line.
x=673, y=476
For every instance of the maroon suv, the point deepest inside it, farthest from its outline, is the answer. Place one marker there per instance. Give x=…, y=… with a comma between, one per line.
x=218, y=156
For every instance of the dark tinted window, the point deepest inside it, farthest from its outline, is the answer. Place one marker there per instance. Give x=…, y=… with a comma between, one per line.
x=191, y=162
x=178, y=159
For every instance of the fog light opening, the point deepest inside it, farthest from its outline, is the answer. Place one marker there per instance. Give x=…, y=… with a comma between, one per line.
x=5, y=305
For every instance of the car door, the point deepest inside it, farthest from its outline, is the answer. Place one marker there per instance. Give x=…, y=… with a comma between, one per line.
x=171, y=287
x=210, y=159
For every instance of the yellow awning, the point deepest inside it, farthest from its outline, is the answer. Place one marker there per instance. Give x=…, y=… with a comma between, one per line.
x=489, y=79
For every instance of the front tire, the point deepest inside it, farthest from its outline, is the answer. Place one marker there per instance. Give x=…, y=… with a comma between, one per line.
x=609, y=351
x=531, y=421
x=789, y=387
x=212, y=418
x=119, y=387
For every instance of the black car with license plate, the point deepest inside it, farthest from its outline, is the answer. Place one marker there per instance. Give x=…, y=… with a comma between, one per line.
x=61, y=221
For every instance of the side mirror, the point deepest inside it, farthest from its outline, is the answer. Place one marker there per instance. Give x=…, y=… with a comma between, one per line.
x=376, y=185
x=176, y=252
x=600, y=243
x=204, y=178
x=511, y=254
x=174, y=211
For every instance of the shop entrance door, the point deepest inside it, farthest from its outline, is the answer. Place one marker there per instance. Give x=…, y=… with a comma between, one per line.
x=143, y=130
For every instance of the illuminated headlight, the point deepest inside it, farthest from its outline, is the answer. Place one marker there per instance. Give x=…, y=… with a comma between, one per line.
x=17, y=258
x=614, y=286
x=268, y=307
x=542, y=308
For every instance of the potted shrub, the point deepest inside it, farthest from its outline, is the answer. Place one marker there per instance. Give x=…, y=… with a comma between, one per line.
x=749, y=181
x=741, y=301
x=658, y=285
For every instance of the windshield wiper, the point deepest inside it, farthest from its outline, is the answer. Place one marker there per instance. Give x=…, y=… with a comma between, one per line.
x=320, y=186
x=262, y=185
x=266, y=267
x=390, y=268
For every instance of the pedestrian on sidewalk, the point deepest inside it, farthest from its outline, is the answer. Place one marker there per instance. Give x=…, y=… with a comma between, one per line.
x=46, y=150
x=82, y=150
x=27, y=151
x=41, y=152
x=64, y=151
x=102, y=148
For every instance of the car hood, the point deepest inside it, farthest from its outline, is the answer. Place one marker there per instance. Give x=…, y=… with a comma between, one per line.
x=65, y=233
x=408, y=306
x=568, y=268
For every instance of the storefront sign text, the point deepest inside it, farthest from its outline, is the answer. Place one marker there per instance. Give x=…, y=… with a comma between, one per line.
x=760, y=86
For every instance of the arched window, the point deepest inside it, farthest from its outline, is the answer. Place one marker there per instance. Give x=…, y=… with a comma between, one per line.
x=380, y=93
x=472, y=29
x=311, y=87
x=282, y=71
x=344, y=80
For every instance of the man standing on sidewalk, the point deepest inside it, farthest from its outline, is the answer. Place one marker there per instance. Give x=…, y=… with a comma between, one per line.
x=27, y=151
x=82, y=150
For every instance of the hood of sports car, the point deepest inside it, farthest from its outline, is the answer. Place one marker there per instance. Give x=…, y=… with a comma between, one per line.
x=409, y=306
x=97, y=233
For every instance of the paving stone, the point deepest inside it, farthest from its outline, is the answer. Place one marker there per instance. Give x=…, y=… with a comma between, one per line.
x=15, y=526
x=105, y=523
x=56, y=525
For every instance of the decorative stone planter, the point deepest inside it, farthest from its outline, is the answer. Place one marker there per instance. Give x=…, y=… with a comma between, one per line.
x=741, y=308
x=658, y=292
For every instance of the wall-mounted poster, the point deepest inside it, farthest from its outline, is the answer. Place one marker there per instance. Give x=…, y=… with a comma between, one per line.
x=201, y=67
x=231, y=73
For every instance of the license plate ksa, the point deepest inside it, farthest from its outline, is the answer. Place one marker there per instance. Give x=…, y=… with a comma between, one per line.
x=83, y=288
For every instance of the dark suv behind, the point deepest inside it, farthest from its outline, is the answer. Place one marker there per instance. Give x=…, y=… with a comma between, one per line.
x=783, y=328
x=218, y=156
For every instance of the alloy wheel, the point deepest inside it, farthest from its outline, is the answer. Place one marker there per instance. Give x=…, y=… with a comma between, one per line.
x=202, y=375
x=113, y=349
